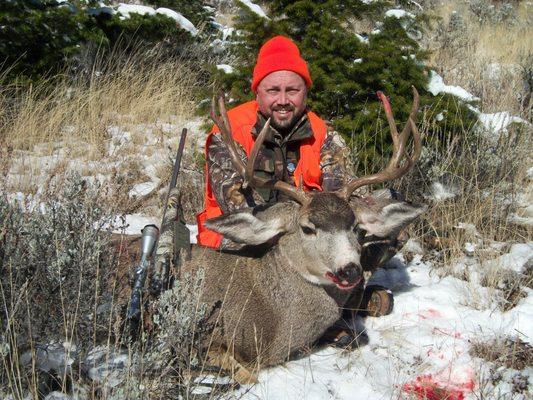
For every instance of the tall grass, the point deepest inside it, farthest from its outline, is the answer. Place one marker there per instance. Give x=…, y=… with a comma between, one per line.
x=490, y=57
x=124, y=88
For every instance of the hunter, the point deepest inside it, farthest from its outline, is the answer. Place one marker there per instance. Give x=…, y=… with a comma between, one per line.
x=300, y=148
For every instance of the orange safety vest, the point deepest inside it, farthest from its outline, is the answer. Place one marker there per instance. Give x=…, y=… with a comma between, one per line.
x=242, y=119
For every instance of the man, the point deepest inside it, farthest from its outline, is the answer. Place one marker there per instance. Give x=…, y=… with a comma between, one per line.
x=281, y=81
x=298, y=143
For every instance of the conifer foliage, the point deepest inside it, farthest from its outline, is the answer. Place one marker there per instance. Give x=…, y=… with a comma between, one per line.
x=40, y=38
x=347, y=68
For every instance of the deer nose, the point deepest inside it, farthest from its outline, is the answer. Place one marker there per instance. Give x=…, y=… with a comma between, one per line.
x=350, y=273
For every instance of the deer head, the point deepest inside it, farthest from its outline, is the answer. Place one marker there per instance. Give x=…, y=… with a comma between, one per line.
x=319, y=234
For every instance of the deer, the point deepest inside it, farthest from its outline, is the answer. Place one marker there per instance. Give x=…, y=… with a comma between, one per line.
x=306, y=260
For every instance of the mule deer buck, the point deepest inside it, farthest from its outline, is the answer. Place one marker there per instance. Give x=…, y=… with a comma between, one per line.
x=284, y=297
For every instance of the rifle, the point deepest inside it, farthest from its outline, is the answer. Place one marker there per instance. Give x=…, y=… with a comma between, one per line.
x=151, y=239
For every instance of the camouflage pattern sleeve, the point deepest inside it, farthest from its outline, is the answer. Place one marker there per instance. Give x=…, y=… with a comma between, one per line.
x=224, y=180
x=336, y=164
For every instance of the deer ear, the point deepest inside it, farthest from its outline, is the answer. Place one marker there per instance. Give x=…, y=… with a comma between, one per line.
x=243, y=227
x=388, y=220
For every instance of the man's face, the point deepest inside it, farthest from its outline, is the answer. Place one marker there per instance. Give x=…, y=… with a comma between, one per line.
x=282, y=95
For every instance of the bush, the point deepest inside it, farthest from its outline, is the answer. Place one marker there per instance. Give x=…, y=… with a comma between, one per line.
x=143, y=31
x=55, y=263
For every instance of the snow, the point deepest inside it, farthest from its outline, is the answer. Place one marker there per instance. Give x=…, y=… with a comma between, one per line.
x=125, y=11
x=254, y=8
x=491, y=124
x=497, y=122
x=440, y=192
x=515, y=259
x=180, y=19
x=133, y=223
x=397, y=13
x=362, y=39
x=228, y=69
x=227, y=32
x=436, y=86
x=142, y=189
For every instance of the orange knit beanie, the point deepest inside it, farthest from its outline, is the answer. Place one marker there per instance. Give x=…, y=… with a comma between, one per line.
x=277, y=54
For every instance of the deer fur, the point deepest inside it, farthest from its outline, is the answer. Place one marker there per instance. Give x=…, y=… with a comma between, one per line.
x=279, y=299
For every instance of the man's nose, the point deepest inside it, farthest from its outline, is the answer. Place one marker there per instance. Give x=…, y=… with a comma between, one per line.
x=282, y=98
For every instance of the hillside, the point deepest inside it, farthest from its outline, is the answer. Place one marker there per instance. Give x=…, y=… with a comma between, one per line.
x=87, y=157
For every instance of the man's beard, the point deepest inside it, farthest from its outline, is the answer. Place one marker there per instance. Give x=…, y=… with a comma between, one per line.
x=287, y=124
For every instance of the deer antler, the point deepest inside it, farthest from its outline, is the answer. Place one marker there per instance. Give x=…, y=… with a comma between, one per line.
x=247, y=171
x=395, y=168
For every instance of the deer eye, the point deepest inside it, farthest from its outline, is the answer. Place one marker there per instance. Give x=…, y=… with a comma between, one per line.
x=308, y=230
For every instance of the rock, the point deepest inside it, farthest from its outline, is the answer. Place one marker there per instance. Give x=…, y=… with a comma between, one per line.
x=57, y=396
x=106, y=365
x=54, y=357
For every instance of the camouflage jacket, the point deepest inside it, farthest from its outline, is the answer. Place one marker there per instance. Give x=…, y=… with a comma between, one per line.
x=277, y=159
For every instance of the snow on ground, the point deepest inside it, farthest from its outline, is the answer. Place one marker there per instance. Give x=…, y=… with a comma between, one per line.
x=422, y=345
x=441, y=192
x=499, y=121
x=436, y=85
x=492, y=124
x=148, y=146
x=227, y=69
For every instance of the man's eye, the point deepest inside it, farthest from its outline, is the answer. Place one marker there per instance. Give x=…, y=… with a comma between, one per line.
x=308, y=231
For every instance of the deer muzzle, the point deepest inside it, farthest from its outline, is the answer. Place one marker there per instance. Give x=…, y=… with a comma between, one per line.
x=346, y=277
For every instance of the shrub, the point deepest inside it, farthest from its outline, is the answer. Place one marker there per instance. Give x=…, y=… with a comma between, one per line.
x=37, y=38
x=55, y=264
x=41, y=38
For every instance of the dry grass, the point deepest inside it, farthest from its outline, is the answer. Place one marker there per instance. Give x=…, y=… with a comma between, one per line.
x=485, y=179
x=492, y=60
x=507, y=351
x=78, y=111
x=71, y=123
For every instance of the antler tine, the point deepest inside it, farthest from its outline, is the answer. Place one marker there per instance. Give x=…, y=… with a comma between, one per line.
x=297, y=194
x=224, y=126
x=395, y=168
x=247, y=171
